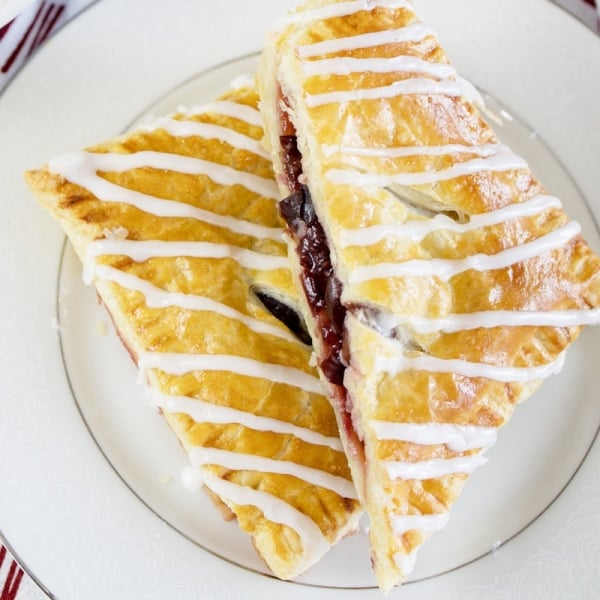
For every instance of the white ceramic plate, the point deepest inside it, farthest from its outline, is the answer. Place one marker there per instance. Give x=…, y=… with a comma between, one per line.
x=91, y=500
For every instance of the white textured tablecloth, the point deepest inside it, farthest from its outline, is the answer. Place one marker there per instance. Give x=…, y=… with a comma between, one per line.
x=19, y=38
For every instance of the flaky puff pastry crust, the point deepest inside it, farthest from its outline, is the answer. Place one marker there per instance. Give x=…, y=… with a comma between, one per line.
x=463, y=281
x=264, y=442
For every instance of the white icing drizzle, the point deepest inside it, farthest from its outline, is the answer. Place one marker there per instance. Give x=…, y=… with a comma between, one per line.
x=81, y=168
x=429, y=523
x=236, y=110
x=236, y=461
x=411, y=86
x=273, y=508
x=416, y=229
x=183, y=129
x=243, y=80
x=180, y=364
x=158, y=298
x=470, y=93
x=347, y=65
x=205, y=412
x=504, y=161
x=415, y=32
x=406, y=562
x=445, y=269
x=342, y=9
x=484, y=150
x=192, y=478
x=458, y=438
x=433, y=364
x=144, y=250
x=435, y=467
x=497, y=318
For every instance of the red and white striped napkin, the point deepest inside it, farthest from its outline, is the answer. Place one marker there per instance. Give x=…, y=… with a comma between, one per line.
x=11, y=576
x=587, y=11
x=22, y=34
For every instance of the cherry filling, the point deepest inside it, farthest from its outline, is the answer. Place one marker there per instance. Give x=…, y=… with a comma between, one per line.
x=292, y=166
x=288, y=316
x=321, y=287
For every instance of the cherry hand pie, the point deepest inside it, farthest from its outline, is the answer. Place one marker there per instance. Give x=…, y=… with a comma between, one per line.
x=177, y=227
x=441, y=282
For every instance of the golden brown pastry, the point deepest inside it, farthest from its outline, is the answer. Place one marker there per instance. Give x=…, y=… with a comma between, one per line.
x=177, y=227
x=441, y=283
